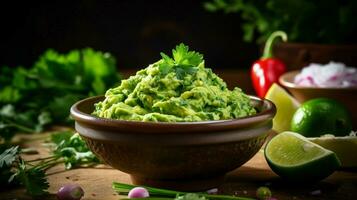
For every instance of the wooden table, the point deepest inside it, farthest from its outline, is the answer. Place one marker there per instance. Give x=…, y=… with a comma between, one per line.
x=243, y=181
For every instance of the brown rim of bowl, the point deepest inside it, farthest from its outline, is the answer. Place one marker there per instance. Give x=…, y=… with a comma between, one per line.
x=286, y=80
x=89, y=120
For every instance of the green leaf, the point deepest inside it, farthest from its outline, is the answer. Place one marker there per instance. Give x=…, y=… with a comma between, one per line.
x=60, y=106
x=11, y=122
x=183, y=56
x=100, y=68
x=166, y=64
x=9, y=156
x=14, y=170
x=59, y=136
x=210, y=7
x=9, y=94
x=44, y=118
x=248, y=32
x=183, y=70
x=34, y=179
x=7, y=111
x=73, y=150
x=183, y=62
x=8, y=160
x=190, y=196
x=215, y=5
x=98, y=86
x=167, y=59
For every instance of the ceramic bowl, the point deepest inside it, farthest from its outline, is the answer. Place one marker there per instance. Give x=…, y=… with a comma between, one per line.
x=188, y=156
x=347, y=96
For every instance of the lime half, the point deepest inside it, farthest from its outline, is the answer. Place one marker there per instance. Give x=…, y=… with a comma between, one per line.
x=286, y=105
x=344, y=147
x=293, y=157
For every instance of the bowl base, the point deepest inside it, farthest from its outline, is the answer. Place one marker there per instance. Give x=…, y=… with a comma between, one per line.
x=184, y=185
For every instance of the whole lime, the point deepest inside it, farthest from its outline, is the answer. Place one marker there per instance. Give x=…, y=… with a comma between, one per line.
x=321, y=116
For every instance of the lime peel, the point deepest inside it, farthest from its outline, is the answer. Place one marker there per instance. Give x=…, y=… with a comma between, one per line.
x=294, y=157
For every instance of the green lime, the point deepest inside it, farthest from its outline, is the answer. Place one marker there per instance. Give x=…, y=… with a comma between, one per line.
x=321, y=116
x=295, y=158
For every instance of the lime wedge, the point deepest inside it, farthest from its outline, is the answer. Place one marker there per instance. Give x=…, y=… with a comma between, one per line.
x=294, y=157
x=286, y=105
x=344, y=147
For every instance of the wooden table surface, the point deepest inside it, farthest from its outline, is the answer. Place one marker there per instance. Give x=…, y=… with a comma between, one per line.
x=243, y=181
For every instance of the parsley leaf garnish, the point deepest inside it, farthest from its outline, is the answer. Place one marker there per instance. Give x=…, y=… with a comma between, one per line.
x=183, y=61
x=183, y=56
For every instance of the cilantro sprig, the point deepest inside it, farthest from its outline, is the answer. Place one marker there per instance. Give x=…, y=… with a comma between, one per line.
x=72, y=150
x=32, y=98
x=182, y=62
x=66, y=148
x=33, y=178
x=14, y=170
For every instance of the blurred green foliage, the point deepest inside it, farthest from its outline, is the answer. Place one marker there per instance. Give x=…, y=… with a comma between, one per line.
x=43, y=94
x=308, y=21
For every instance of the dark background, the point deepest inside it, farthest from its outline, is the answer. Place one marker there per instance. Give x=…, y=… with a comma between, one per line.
x=133, y=31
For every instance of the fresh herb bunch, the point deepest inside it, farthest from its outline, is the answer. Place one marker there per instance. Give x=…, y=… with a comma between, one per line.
x=67, y=148
x=183, y=61
x=303, y=20
x=42, y=95
x=71, y=149
x=14, y=170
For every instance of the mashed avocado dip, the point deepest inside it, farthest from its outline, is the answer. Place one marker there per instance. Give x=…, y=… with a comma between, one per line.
x=178, y=89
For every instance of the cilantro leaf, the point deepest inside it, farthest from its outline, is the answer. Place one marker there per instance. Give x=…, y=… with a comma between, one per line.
x=69, y=149
x=34, y=179
x=73, y=150
x=167, y=59
x=8, y=159
x=14, y=170
x=190, y=196
x=183, y=56
x=59, y=136
x=11, y=121
x=166, y=64
x=9, y=156
x=183, y=61
x=184, y=70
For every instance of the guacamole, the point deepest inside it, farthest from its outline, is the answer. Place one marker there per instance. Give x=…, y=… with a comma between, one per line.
x=178, y=89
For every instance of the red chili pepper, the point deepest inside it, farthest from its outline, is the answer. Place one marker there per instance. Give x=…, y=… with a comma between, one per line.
x=267, y=69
